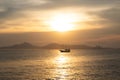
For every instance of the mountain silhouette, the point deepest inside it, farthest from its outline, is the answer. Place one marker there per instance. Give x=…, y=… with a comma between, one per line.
x=27, y=45
x=24, y=45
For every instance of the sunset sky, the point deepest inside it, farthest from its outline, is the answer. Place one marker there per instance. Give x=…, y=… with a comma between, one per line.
x=93, y=22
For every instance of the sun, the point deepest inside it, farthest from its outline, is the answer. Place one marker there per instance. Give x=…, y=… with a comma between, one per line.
x=62, y=22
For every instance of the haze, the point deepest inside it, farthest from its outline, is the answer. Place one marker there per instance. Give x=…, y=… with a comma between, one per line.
x=91, y=22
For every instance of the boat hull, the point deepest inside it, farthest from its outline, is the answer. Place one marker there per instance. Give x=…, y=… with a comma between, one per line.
x=65, y=50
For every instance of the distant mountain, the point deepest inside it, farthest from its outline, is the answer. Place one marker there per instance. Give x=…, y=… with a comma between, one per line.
x=27, y=45
x=24, y=45
x=53, y=46
x=59, y=46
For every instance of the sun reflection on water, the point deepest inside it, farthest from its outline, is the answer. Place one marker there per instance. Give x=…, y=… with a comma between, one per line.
x=61, y=59
x=62, y=63
x=65, y=66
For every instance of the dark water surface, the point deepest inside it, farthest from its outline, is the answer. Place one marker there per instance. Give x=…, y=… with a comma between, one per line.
x=53, y=65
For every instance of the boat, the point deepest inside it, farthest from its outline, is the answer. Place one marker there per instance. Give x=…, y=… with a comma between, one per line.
x=65, y=50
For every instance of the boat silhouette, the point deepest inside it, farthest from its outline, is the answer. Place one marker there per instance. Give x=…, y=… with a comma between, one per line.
x=65, y=50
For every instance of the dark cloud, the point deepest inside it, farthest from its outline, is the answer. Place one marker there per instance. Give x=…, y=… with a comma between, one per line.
x=109, y=19
x=8, y=12
x=111, y=15
x=52, y=4
x=85, y=3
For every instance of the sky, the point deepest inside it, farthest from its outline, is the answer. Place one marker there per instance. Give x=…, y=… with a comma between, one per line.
x=93, y=22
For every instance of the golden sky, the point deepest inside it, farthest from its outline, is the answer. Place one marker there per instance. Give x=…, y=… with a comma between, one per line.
x=90, y=20
x=57, y=15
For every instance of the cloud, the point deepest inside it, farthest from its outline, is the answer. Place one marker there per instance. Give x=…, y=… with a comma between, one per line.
x=109, y=19
x=29, y=14
x=110, y=15
x=17, y=5
x=86, y=3
x=22, y=10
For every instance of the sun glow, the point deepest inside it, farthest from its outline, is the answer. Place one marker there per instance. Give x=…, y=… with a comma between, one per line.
x=63, y=22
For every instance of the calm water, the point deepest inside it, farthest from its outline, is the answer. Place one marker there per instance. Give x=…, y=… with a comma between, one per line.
x=53, y=65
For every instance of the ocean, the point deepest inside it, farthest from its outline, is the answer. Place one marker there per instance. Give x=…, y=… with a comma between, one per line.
x=45, y=64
